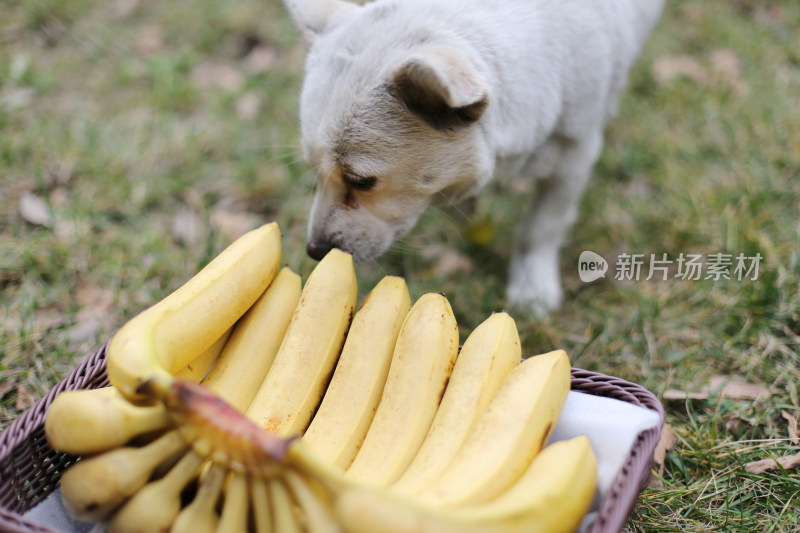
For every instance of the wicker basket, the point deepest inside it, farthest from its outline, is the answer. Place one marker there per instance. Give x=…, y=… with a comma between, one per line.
x=30, y=469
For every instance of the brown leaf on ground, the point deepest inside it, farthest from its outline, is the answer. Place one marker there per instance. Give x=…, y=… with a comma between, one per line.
x=217, y=76
x=794, y=437
x=260, y=59
x=150, y=40
x=668, y=68
x=94, y=300
x=25, y=397
x=725, y=67
x=248, y=106
x=724, y=387
x=786, y=462
x=186, y=226
x=233, y=224
x=665, y=444
x=34, y=209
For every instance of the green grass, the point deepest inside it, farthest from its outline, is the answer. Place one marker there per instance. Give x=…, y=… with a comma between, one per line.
x=106, y=115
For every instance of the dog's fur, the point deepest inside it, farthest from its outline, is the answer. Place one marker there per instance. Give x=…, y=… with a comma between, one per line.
x=412, y=103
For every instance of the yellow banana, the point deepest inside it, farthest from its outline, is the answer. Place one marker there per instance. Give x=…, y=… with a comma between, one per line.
x=197, y=369
x=488, y=354
x=296, y=381
x=248, y=355
x=94, y=420
x=315, y=507
x=154, y=508
x=284, y=518
x=344, y=416
x=552, y=496
x=94, y=487
x=236, y=505
x=423, y=358
x=262, y=507
x=509, y=434
x=164, y=338
x=200, y=516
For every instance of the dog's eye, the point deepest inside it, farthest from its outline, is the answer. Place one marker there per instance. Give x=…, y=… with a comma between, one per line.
x=359, y=183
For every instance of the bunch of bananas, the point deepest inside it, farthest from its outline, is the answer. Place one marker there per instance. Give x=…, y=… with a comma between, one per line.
x=312, y=417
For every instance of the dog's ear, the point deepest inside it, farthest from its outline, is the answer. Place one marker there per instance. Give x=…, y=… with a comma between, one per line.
x=315, y=17
x=441, y=86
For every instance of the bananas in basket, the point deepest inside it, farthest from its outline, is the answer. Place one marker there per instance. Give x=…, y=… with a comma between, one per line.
x=312, y=417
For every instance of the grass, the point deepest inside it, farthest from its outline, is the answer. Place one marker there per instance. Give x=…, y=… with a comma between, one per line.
x=151, y=136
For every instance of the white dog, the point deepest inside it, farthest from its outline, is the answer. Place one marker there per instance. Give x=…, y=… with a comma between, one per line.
x=412, y=103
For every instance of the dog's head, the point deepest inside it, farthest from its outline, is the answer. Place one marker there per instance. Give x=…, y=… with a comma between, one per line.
x=390, y=115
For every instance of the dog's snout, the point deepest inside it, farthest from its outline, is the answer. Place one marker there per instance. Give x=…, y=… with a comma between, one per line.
x=317, y=249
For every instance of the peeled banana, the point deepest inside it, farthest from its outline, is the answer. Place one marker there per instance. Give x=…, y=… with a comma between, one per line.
x=423, y=357
x=164, y=338
x=344, y=416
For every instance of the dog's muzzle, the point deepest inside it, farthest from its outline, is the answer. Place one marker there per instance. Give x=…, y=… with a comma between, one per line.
x=318, y=249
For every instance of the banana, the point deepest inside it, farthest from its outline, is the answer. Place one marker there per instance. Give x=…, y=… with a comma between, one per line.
x=552, y=496
x=314, y=505
x=199, y=368
x=236, y=505
x=164, y=338
x=200, y=516
x=94, y=420
x=248, y=355
x=296, y=381
x=510, y=433
x=154, y=508
x=488, y=354
x=344, y=416
x=94, y=487
x=262, y=507
x=284, y=518
x=423, y=357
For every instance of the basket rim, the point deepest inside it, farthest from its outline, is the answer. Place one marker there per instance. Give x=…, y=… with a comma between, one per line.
x=611, y=515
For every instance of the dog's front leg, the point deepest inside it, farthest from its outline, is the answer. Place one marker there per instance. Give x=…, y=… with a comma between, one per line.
x=534, y=279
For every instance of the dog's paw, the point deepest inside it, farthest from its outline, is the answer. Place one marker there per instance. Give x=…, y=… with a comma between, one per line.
x=534, y=283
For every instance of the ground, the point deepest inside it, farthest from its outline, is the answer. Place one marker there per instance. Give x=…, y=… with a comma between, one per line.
x=137, y=138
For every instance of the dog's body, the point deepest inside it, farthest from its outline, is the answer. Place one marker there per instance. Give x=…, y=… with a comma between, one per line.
x=411, y=103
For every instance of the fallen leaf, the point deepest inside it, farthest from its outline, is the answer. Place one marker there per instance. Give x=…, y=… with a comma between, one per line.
x=95, y=301
x=6, y=386
x=217, y=75
x=738, y=389
x=150, y=40
x=260, y=59
x=123, y=8
x=46, y=319
x=248, y=106
x=724, y=387
x=451, y=262
x=665, y=443
x=25, y=397
x=794, y=437
x=186, y=227
x=35, y=210
x=725, y=67
x=786, y=462
x=668, y=68
x=232, y=224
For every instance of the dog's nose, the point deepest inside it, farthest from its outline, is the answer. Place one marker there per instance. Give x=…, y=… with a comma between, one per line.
x=318, y=249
